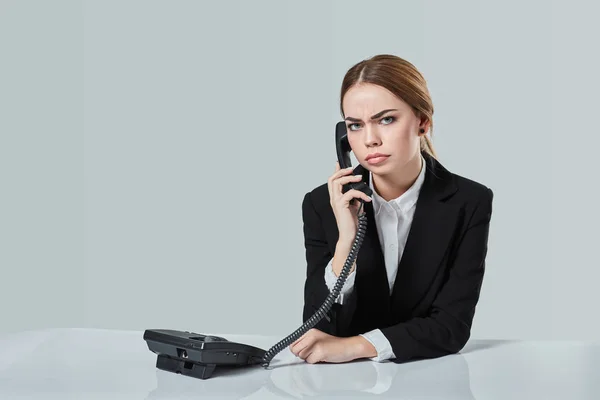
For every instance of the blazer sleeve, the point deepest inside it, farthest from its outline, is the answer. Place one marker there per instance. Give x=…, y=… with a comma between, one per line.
x=318, y=255
x=447, y=327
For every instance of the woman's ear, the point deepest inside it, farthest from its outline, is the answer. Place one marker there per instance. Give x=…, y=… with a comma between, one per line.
x=423, y=126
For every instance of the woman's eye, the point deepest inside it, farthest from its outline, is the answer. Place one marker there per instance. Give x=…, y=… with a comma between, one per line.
x=350, y=126
x=388, y=118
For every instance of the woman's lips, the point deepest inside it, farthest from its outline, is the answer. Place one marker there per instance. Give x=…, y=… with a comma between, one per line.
x=377, y=159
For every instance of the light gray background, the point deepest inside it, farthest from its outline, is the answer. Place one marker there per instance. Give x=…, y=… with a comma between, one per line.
x=154, y=154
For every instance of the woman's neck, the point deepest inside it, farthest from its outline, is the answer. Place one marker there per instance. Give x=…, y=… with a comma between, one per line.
x=390, y=186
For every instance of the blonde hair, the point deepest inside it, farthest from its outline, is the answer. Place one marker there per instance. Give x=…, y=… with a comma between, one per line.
x=402, y=79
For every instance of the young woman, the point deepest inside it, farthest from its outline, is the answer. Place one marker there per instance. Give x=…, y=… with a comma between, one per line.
x=413, y=289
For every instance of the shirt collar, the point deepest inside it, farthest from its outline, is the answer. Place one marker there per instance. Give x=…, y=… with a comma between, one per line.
x=405, y=201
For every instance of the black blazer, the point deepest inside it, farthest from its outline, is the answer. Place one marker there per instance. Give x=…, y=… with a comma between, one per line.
x=431, y=308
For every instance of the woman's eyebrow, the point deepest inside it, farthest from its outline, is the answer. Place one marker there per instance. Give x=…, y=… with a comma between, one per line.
x=379, y=114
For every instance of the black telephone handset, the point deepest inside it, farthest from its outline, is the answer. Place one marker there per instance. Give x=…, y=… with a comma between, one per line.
x=342, y=147
x=197, y=355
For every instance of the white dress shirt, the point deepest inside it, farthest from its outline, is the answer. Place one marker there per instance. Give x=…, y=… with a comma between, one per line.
x=393, y=220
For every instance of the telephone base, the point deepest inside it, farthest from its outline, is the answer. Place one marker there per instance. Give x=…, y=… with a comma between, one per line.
x=187, y=368
x=197, y=355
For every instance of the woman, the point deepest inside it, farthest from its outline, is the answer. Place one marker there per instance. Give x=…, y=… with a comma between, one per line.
x=413, y=289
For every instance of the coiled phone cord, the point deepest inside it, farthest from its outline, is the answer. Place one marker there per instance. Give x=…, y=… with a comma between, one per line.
x=328, y=303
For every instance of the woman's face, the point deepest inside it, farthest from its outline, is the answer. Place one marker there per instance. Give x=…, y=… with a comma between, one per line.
x=395, y=134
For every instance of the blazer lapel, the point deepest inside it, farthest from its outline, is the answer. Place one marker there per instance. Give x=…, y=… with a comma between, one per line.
x=429, y=237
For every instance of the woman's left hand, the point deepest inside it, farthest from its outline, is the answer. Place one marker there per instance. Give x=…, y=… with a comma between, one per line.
x=317, y=346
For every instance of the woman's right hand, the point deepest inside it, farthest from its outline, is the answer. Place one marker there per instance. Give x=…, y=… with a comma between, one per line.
x=346, y=214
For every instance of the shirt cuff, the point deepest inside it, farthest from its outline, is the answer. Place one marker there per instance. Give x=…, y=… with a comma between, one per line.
x=331, y=279
x=381, y=344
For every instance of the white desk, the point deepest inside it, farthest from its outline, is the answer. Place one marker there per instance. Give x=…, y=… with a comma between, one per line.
x=104, y=364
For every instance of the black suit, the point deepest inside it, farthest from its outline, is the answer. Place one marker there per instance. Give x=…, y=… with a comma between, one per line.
x=431, y=308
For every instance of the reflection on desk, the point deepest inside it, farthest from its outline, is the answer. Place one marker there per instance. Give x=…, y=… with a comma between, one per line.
x=81, y=363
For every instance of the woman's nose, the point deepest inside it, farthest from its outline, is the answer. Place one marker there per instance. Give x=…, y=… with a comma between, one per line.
x=371, y=137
